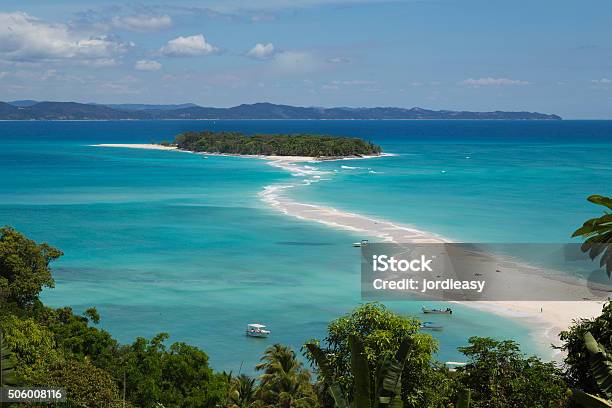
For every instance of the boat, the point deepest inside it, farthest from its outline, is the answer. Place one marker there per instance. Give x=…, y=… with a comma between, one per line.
x=431, y=326
x=364, y=242
x=448, y=310
x=257, y=330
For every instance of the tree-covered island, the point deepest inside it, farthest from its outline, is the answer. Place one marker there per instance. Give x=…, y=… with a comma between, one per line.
x=275, y=144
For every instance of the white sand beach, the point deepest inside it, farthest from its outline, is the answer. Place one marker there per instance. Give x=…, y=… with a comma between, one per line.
x=547, y=317
x=279, y=159
x=147, y=146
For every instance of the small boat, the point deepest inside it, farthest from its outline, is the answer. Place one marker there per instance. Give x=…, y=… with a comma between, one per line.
x=364, y=242
x=448, y=310
x=431, y=326
x=257, y=330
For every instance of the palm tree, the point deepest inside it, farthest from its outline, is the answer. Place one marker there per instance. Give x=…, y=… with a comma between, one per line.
x=243, y=392
x=285, y=382
x=598, y=234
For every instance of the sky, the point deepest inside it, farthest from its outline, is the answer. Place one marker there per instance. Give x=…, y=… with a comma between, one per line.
x=477, y=55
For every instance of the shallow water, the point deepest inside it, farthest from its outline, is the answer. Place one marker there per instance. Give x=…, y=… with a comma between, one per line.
x=168, y=241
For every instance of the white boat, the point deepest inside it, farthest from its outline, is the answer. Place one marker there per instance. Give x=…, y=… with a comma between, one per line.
x=257, y=330
x=448, y=310
x=431, y=326
x=363, y=243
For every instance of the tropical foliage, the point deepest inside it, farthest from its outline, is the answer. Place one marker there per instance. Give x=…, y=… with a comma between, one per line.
x=384, y=392
x=243, y=393
x=8, y=376
x=598, y=234
x=369, y=357
x=44, y=346
x=500, y=376
x=601, y=368
x=24, y=267
x=576, y=362
x=382, y=332
x=278, y=145
x=284, y=382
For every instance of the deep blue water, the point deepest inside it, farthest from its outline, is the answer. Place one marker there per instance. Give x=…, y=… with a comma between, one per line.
x=167, y=241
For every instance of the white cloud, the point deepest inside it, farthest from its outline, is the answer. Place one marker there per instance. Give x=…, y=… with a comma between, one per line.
x=191, y=46
x=142, y=22
x=261, y=51
x=492, y=82
x=26, y=38
x=147, y=65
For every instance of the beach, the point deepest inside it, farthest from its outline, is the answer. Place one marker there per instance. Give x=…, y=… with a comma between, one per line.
x=547, y=318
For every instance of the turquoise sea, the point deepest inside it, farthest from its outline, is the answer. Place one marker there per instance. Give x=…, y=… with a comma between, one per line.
x=174, y=242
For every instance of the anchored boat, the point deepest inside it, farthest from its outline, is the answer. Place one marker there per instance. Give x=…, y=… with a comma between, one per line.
x=448, y=310
x=431, y=326
x=363, y=243
x=257, y=330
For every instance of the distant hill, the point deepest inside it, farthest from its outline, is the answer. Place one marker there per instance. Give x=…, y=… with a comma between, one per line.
x=32, y=110
x=22, y=103
x=138, y=106
x=10, y=112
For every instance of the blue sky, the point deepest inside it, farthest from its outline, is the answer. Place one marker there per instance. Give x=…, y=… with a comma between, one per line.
x=547, y=56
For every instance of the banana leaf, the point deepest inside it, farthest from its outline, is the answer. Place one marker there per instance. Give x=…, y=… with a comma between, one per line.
x=361, y=373
x=321, y=359
x=588, y=401
x=601, y=366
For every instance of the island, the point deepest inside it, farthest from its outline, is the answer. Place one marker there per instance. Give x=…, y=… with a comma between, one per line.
x=305, y=145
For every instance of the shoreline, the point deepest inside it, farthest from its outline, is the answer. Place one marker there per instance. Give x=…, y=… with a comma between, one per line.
x=546, y=319
x=286, y=159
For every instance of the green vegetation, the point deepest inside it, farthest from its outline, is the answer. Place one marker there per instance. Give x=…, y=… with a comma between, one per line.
x=369, y=357
x=577, y=364
x=598, y=234
x=382, y=332
x=601, y=368
x=284, y=381
x=7, y=366
x=499, y=376
x=54, y=347
x=386, y=391
x=25, y=268
x=275, y=145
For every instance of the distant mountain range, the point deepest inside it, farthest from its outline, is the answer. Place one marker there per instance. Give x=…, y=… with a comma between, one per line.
x=34, y=110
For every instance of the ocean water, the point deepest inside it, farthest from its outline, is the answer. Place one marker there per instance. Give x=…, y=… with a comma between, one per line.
x=174, y=242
